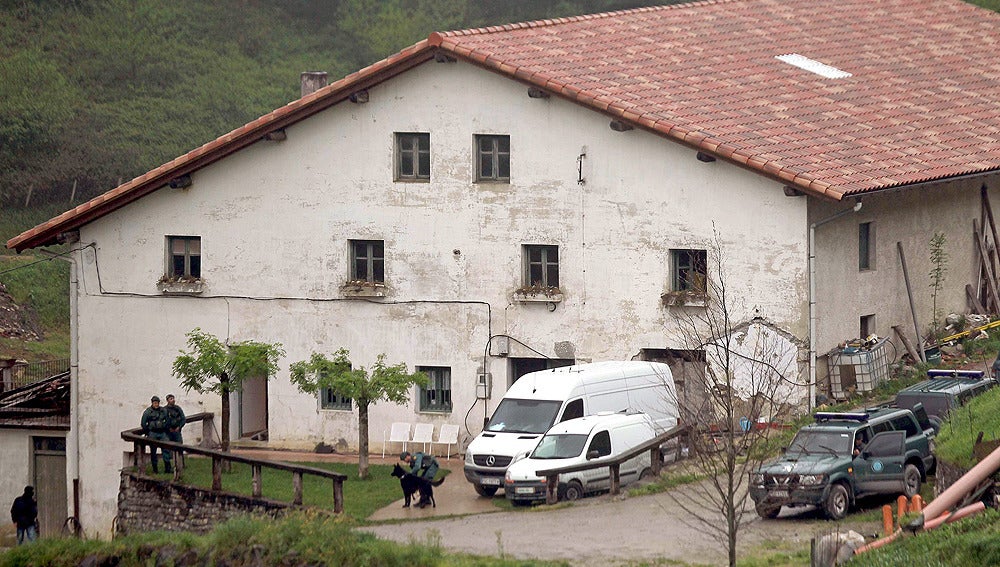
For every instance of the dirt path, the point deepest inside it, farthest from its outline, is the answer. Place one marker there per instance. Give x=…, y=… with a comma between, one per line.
x=595, y=531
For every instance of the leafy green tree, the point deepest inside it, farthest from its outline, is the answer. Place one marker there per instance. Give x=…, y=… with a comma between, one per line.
x=213, y=366
x=364, y=386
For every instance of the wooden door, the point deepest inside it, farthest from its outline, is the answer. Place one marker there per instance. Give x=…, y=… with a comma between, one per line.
x=49, y=464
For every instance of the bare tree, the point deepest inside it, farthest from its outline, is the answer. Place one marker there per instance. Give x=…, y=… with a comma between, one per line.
x=749, y=370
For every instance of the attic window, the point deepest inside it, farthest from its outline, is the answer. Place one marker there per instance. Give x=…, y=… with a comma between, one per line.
x=813, y=66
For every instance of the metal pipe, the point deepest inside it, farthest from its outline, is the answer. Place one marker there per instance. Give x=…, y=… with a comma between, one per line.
x=812, y=297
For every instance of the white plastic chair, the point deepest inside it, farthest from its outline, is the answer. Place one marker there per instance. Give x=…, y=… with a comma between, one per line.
x=400, y=433
x=423, y=433
x=448, y=435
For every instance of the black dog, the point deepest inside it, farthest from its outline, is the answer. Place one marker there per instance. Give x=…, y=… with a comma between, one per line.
x=411, y=483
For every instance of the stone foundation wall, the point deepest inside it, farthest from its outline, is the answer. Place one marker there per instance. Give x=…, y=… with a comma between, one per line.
x=145, y=505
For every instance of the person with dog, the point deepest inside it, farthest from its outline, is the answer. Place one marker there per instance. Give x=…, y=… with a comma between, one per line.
x=424, y=467
x=154, y=425
x=24, y=514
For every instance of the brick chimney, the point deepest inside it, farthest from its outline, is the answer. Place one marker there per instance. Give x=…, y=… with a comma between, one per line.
x=312, y=81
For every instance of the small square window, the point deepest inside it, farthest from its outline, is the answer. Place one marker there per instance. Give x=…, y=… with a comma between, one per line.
x=367, y=261
x=413, y=157
x=493, y=159
x=867, y=325
x=689, y=271
x=184, y=256
x=328, y=400
x=866, y=246
x=436, y=396
x=541, y=265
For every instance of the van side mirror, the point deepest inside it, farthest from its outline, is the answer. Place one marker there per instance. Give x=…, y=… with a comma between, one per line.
x=592, y=454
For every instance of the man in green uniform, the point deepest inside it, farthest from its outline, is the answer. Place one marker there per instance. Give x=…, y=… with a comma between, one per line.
x=175, y=421
x=154, y=426
x=423, y=467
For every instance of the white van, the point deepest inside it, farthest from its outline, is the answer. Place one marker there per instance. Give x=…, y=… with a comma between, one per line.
x=576, y=442
x=540, y=399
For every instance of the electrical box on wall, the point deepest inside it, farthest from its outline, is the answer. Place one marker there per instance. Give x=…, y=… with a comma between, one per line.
x=484, y=383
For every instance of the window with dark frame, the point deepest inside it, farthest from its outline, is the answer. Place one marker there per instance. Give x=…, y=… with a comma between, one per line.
x=184, y=256
x=331, y=401
x=368, y=261
x=436, y=396
x=541, y=265
x=413, y=156
x=493, y=158
x=866, y=242
x=689, y=270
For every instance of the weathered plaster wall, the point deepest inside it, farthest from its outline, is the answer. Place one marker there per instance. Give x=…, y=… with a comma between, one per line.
x=275, y=220
x=15, y=466
x=844, y=293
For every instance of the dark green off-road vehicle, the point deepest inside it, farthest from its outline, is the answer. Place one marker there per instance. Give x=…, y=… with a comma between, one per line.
x=844, y=456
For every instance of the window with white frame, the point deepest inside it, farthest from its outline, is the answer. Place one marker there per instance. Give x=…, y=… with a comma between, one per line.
x=368, y=261
x=413, y=156
x=329, y=400
x=689, y=270
x=436, y=396
x=184, y=257
x=493, y=158
x=541, y=265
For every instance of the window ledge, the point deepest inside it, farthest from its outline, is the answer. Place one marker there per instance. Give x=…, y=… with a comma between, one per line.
x=547, y=295
x=685, y=299
x=181, y=287
x=363, y=289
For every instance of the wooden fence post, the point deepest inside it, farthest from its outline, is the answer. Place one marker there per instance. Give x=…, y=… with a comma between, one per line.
x=257, y=485
x=297, y=487
x=338, y=496
x=616, y=481
x=216, y=473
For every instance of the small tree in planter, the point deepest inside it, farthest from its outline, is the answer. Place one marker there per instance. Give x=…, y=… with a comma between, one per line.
x=213, y=366
x=365, y=387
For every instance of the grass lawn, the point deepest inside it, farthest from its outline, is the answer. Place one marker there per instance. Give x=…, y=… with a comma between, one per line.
x=361, y=497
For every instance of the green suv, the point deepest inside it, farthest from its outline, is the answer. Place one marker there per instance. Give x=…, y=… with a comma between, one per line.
x=844, y=456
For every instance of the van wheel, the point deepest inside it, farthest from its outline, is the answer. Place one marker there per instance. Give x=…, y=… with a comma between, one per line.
x=487, y=491
x=911, y=481
x=574, y=490
x=837, y=502
x=645, y=473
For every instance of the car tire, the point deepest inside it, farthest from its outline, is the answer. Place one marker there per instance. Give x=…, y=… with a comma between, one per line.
x=837, y=502
x=768, y=512
x=911, y=481
x=645, y=473
x=487, y=491
x=574, y=490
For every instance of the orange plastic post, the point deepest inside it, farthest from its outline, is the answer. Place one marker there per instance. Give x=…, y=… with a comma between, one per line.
x=901, y=507
x=917, y=504
x=887, y=519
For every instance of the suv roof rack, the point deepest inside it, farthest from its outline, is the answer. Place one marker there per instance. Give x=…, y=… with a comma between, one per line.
x=966, y=374
x=841, y=416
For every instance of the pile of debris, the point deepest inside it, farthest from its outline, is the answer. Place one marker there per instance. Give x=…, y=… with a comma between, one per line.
x=17, y=322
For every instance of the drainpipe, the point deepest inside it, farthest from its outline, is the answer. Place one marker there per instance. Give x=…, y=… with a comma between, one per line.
x=73, y=462
x=812, y=297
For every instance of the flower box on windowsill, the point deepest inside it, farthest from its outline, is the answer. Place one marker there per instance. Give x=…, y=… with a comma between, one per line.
x=538, y=294
x=181, y=286
x=359, y=288
x=685, y=299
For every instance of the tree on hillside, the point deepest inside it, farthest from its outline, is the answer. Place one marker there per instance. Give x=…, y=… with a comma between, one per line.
x=364, y=386
x=746, y=370
x=213, y=366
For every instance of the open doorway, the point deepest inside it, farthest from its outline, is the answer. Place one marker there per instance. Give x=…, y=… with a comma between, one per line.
x=253, y=409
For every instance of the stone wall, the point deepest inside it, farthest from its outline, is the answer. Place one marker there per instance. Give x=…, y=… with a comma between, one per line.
x=145, y=505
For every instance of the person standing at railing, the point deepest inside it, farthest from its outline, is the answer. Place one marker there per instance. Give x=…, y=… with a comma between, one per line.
x=154, y=425
x=175, y=420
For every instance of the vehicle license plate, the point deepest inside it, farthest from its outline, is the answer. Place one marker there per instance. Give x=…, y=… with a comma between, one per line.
x=524, y=490
x=487, y=481
x=779, y=494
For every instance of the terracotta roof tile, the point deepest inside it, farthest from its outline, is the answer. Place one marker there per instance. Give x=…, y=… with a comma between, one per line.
x=921, y=104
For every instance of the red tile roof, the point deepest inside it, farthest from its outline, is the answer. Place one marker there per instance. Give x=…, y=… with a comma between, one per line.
x=922, y=102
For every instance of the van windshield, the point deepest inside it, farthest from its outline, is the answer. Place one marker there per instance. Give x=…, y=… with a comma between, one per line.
x=562, y=446
x=524, y=416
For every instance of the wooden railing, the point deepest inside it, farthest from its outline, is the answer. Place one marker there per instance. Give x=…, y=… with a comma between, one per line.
x=614, y=464
x=139, y=460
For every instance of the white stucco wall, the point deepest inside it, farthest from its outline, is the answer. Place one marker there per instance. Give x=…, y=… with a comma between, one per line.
x=15, y=466
x=275, y=220
x=845, y=293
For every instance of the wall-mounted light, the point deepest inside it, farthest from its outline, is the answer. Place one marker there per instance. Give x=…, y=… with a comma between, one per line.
x=276, y=136
x=707, y=158
x=181, y=182
x=359, y=97
x=792, y=191
x=619, y=126
x=535, y=92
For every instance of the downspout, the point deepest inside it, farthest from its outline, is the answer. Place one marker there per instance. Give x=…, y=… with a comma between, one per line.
x=73, y=462
x=812, y=297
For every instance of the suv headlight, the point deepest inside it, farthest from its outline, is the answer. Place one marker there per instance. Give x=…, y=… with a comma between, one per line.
x=812, y=479
x=757, y=479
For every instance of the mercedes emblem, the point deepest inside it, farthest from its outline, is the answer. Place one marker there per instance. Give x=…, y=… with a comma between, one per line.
x=490, y=461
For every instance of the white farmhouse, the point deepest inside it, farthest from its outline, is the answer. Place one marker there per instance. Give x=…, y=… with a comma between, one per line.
x=494, y=201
